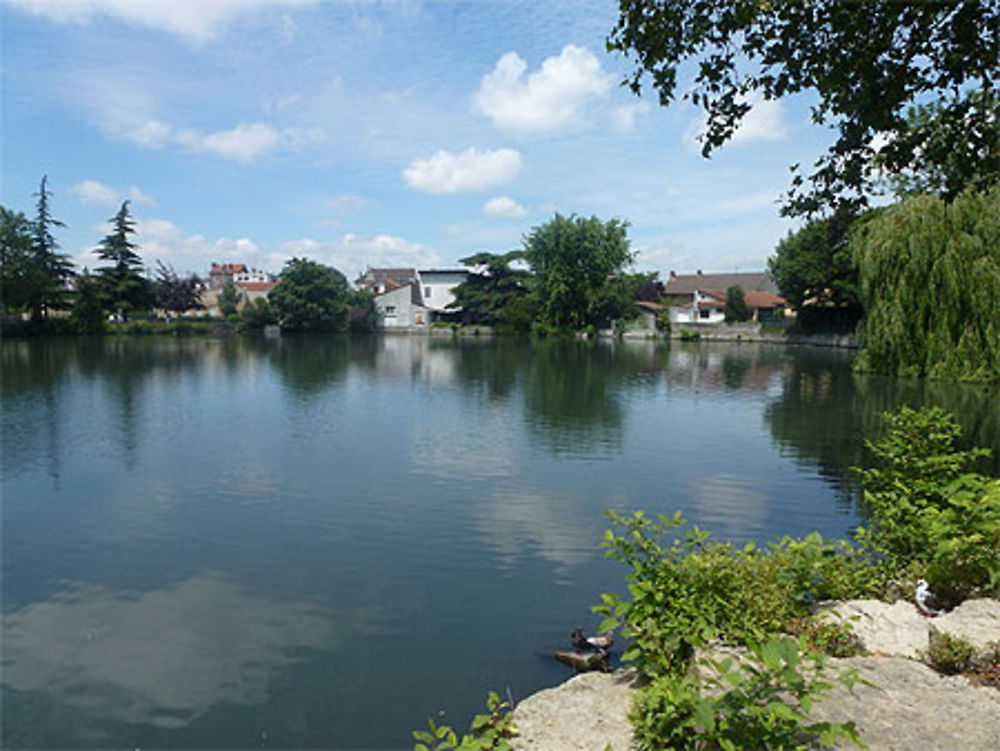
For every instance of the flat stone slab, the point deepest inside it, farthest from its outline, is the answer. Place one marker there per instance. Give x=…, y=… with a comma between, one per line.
x=913, y=707
x=585, y=713
x=891, y=629
x=976, y=621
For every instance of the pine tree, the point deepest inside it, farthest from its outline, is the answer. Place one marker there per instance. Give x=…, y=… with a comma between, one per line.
x=48, y=271
x=123, y=286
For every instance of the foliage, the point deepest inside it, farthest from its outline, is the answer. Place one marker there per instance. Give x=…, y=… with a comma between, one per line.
x=684, y=593
x=950, y=654
x=576, y=262
x=815, y=264
x=956, y=150
x=123, y=286
x=15, y=259
x=930, y=284
x=663, y=322
x=257, y=315
x=865, y=62
x=759, y=702
x=310, y=297
x=47, y=271
x=362, y=316
x=928, y=519
x=492, y=730
x=230, y=296
x=176, y=294
x=690, y=335
x=88, y=310
x=494, y=293
x=736, y=309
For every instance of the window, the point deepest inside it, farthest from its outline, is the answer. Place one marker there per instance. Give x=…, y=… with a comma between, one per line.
x=390, y=311
x=427, y=291
x=704, y=313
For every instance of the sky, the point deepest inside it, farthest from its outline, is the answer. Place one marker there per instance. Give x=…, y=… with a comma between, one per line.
x=374, y=133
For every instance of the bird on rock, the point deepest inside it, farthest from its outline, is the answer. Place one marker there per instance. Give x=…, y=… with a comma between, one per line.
x=602, y=642
x=927, y=603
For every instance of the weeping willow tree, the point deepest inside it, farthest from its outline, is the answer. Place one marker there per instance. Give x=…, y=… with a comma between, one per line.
x=929, y=274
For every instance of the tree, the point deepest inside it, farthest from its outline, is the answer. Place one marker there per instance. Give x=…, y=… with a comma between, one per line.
x=176, y=294
x=361, y=315
x=47, y=271
x=310, y=297
x=492, y=292
x=929, y=275
x=230, y=297
x=867, y=62
x=88, y=310
x=123, y=286
x=15, y=259
x=575, y=261
x=736, y=309
x=955, y=150
x=815, y=264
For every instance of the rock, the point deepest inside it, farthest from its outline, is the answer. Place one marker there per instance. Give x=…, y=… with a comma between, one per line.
x=583, y=662
x=585, y=713
x=913, y=707
x=976, y=621
x=894, y=630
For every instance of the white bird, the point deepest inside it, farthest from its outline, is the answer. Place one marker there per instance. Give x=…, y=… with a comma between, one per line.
x=926, y=601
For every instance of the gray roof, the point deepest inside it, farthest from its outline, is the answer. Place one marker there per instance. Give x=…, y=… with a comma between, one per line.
x=687, y=284
x=381, y=276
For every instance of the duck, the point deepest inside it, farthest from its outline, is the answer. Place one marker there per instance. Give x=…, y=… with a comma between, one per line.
x=581, y=641
x=584, y=662
x=927, y=603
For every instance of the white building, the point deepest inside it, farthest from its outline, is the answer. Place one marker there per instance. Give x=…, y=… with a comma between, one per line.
x=411, y=299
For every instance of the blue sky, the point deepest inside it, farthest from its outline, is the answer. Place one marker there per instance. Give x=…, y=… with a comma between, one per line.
x=359, y=132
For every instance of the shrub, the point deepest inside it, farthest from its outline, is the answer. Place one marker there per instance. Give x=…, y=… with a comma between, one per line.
x=950, y=654
x=687, y=591
x=492, y=730
x=690, y=335
x=927, y=518
x=762, y=702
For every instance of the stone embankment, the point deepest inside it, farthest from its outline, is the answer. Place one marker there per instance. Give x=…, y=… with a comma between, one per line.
x=910, y=705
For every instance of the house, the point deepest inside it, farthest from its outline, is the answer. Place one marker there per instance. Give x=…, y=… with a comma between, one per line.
x=411, y=298
x=256, y=290
x=222, y=273
x=701, y=298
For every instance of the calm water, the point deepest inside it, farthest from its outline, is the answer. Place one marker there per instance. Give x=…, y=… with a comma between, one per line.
x=321, y=542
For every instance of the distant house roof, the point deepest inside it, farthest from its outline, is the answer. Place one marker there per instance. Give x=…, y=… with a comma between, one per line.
x=688, y=284
x=416, y=298
x=386, y=277
x=257, y=286
x=653, y=307
x=753, y=298
x=228, y=268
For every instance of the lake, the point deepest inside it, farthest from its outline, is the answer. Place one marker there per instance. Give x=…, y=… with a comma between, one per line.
x=320, y=542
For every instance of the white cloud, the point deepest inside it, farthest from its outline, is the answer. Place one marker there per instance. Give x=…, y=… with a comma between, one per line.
x=352, y=253
x=243, y=143
x=96, y=192
x=624, y=117
x=92, y=191
x=764, y=122
x=469, y=171
x=504, y=207
x=549, y=99
x=199, y=20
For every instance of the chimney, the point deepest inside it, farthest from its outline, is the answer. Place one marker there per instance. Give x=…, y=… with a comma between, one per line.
x=673, y=274
x=699, y=272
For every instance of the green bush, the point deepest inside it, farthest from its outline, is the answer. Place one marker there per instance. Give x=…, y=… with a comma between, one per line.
x=950, y=654
x=690, y=335
x=928, y=519
x=686, y=591
x=760, y=702
x=489, y=731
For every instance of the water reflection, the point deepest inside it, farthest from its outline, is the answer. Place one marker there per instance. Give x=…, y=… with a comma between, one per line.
x=162, y=658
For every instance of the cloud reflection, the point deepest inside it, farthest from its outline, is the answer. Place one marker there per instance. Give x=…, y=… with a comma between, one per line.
x=161, y=658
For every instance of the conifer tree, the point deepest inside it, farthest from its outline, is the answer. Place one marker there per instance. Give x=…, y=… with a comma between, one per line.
x=123, y=286
x=48, y=270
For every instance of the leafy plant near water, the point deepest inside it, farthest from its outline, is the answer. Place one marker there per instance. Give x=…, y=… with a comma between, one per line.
x=492, y=730
x=761, y=702
x=685, y=590
x=950, y=654
x=929, y=519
